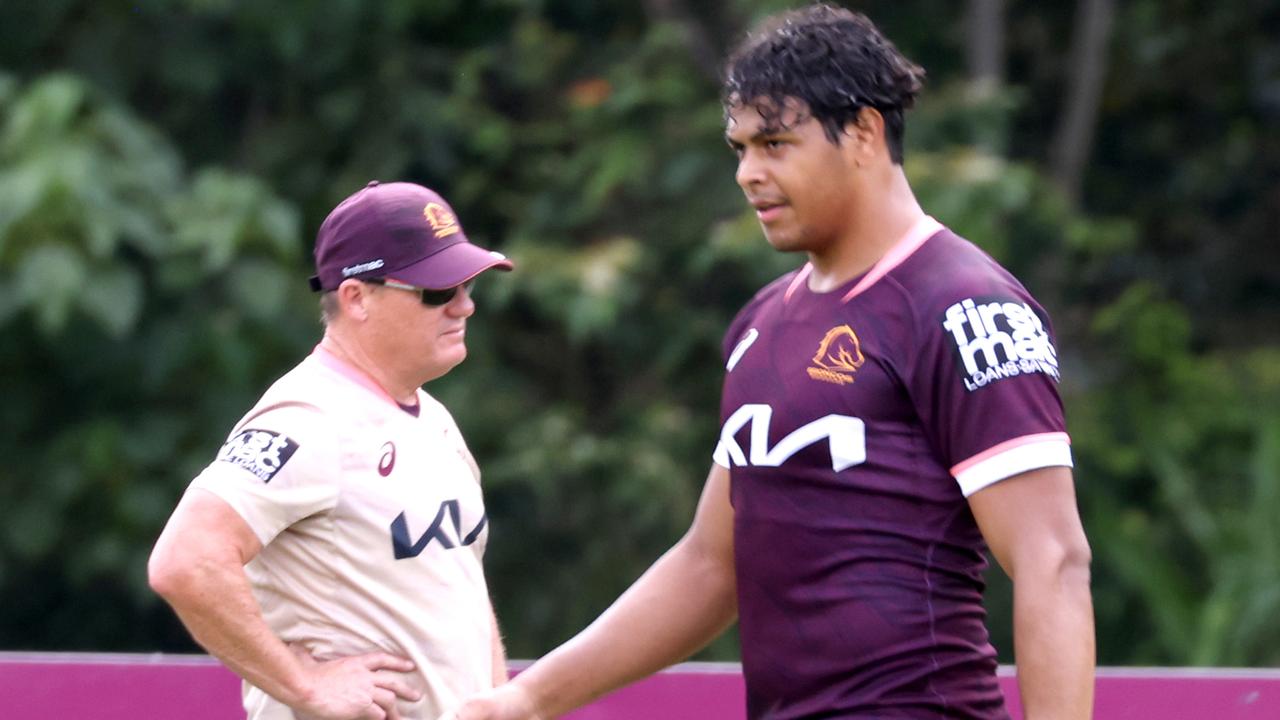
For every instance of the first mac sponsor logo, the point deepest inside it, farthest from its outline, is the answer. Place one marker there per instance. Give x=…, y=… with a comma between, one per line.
x=997, y=338
x=261, y=452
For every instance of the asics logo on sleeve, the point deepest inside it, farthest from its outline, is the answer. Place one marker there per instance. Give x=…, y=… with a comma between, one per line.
x=846, y=437
x=996, y=338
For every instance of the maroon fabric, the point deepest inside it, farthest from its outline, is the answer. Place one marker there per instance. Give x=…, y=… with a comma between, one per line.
x=859, y=564
x=398, y=230
x=450, y=267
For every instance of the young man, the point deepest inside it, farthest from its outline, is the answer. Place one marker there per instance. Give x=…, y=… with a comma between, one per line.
x=887, y=408
x=331, y=554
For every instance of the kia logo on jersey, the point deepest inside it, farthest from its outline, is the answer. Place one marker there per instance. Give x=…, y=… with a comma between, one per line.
x=403, y=547
x=846, y=438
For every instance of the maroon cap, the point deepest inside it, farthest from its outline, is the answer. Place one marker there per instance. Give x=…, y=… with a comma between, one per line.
x=399, y=231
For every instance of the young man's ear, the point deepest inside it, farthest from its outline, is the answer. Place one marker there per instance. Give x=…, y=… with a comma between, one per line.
x=866, y=131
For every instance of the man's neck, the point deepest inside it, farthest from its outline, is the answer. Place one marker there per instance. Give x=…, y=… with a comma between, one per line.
x=360, y=359
x=873, y=228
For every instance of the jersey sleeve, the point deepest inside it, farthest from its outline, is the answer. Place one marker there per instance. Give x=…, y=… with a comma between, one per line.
x=985, y=383
x=276, y=468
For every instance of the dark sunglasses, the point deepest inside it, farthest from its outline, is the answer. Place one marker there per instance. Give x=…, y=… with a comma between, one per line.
x=430, y=298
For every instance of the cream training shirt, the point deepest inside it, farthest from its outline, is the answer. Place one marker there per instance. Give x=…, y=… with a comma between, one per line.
x=372, y=527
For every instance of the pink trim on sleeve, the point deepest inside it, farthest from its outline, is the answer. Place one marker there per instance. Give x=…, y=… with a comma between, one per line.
x=925, y=228
x=1007, y=445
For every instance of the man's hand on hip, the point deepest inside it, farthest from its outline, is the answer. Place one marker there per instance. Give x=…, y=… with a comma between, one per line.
x=361, y=687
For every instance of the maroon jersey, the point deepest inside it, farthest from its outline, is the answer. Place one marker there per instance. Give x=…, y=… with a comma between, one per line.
x=854, y=425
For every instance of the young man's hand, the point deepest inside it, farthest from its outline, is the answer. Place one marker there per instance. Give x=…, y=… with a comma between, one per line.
x=508, y=702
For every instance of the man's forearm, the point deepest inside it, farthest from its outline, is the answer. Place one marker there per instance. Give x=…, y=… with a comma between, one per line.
x=682, y=603
x=1054, y=643
x=217, y=606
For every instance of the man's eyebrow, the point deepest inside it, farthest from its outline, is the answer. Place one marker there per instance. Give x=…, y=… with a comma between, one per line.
x=763, y=133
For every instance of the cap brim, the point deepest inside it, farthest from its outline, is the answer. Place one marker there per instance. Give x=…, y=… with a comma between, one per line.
x=451, y=267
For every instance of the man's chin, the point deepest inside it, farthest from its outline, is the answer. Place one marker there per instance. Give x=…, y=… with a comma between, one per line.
x=783, y=241
x=446, y=361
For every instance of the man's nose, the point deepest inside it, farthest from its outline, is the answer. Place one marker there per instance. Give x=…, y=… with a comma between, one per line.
x=461, y=305
x=750, y=170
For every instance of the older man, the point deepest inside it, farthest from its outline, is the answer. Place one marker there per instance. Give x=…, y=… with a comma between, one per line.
x=331, y=553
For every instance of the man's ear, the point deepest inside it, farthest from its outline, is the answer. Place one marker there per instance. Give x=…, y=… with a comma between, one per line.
x=353, y=298
x=865, y=134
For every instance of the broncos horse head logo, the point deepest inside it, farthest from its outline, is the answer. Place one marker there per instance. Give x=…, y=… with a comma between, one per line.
x=839, y=350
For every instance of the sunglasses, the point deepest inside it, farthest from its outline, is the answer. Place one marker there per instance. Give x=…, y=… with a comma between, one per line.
x=430, y=298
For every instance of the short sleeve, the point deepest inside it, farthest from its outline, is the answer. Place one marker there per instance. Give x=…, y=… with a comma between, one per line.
x=985, y=385
x=276, y=469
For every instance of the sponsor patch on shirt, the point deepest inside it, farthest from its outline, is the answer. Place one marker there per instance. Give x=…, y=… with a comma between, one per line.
x=261, y=452
x=998, y=337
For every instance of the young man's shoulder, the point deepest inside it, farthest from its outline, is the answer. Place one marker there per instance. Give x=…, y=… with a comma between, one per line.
x=774, y=291
x=948, y=269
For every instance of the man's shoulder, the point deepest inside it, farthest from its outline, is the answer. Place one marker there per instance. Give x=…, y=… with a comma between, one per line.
x=949, y=269
x=775, y=289
x=297, y=401
x=773, y=292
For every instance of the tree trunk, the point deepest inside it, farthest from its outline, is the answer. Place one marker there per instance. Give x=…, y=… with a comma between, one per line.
x=1073, y=142
x=985, y=46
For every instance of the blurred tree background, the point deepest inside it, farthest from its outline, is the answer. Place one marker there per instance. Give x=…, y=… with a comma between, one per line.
x=164, y=165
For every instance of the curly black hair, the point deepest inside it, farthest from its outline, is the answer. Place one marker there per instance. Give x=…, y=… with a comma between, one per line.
x=834, y=60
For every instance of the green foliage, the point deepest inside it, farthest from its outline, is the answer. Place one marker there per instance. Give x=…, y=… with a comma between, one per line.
x=161, y=164
x=1194, y=437
x=137, y=310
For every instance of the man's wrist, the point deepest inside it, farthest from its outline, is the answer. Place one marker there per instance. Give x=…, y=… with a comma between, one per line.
x=527, y=687
x=296, y=689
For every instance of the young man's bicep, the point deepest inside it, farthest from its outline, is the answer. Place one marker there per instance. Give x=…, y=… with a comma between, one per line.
x=1030, y=518
x=711, y=533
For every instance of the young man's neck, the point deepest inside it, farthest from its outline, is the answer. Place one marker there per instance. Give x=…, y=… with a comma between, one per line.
x=887, y=211
x=358, y=357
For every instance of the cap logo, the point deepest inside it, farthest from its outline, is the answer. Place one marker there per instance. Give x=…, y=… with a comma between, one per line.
x=442, y=221
x=361, y=268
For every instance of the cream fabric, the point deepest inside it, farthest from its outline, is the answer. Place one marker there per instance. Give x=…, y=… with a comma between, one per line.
x=352, y=472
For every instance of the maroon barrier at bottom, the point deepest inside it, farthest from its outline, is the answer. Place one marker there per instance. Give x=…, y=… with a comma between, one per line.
x=159, y=687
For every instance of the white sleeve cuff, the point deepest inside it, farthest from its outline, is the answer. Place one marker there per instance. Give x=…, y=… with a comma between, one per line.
x=1010, y=458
